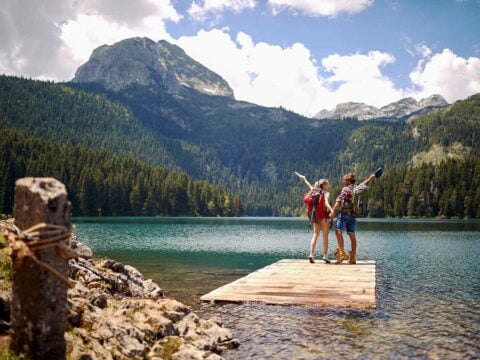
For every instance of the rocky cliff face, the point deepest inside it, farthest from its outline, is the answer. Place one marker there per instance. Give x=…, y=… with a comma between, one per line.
x=146, y=62
x=353, y=109
x=401, y=109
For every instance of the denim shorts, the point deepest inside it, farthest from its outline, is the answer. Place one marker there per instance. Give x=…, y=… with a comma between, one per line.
x=346, y=223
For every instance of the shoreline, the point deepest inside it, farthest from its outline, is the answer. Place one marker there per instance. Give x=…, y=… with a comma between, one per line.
x=115, y=313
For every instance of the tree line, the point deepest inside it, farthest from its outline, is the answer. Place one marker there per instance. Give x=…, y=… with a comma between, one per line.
x=102, y=184
x=447, y=190
x=245, y=148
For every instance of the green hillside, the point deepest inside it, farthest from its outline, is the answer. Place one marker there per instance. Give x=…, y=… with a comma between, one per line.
x=446, y=190
x=250, y=150
x=60, y=113
x=99, y=183
x=247, y=139
x=452, y=130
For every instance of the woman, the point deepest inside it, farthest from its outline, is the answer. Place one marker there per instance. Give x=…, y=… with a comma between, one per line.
x=321, y=222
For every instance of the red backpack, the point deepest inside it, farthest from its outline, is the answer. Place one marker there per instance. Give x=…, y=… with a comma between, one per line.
x=315, y=202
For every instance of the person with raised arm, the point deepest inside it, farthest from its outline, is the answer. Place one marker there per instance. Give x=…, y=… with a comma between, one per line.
x=348, y=202
x=319, y=210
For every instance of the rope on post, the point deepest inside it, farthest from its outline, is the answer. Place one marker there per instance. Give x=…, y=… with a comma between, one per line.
x=22, y=244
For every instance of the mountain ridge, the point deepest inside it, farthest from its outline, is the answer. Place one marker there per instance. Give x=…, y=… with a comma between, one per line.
x=249, y=149
x=396, y=110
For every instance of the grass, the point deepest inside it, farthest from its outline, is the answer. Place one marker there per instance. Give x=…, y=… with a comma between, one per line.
x=5, y=267
x=169, y=347
x=6, y=354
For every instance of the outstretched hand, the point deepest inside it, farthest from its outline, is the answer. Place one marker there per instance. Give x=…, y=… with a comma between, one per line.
x=302, y=177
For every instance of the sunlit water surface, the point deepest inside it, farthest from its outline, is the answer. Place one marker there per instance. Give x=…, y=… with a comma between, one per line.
x=428, y=282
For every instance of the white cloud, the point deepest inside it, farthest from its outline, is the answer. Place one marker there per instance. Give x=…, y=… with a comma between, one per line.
x=359, y=78
x=262, y=73
x=272, y=75
x=423, y=50
x=329, y=8
x=448, y=74
x=199, y=10
x=49, y=40
x=82, y=35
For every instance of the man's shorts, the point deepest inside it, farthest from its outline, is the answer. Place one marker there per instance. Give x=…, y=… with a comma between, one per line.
x=346, y=223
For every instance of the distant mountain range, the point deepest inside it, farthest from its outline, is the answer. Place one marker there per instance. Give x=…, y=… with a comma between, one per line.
x=406, y=108
x=151, y=101
x=141, y=61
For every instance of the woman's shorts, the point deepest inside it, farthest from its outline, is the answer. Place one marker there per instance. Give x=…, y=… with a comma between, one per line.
x=346, y=223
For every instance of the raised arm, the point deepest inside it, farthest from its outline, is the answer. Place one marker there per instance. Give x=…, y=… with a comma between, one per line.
x=367, y=180
x=364, y=185
x=305, y=181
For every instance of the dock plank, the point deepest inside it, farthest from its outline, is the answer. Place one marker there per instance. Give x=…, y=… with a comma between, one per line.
x=297, y=282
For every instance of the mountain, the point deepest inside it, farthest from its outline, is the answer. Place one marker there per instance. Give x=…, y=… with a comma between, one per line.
x=401, y=109
x=142, y=61
x=357, y=110
x=249, y=149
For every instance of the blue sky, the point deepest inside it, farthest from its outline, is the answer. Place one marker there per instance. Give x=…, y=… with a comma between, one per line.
x=386, y=25
x=304, y=55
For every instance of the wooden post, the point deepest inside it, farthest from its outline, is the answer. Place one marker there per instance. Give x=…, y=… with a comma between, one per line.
x=39, y=299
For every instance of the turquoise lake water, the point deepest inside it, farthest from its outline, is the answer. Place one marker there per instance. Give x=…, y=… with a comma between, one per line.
x=428, y=282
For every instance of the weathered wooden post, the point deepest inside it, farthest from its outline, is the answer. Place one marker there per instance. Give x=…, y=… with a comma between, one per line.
x=39, y=299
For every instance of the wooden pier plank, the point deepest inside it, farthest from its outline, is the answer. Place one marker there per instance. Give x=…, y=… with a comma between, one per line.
x=297, y=282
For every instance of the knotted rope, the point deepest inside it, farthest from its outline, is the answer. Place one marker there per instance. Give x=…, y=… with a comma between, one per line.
x=24, y=244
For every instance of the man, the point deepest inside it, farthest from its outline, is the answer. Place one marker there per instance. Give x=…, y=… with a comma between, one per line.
x=346, y=219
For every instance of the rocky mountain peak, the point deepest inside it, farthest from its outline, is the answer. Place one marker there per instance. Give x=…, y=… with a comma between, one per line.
x=400, y=109
x=143, y=61
x=350, y=109
x=433, y=100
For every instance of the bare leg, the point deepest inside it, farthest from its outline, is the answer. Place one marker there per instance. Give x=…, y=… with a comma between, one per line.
x=353, y=240
x=339, y=235
x=325, y=228
x=313, y=243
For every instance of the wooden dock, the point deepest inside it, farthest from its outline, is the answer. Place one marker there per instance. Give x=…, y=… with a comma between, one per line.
x=297, y=282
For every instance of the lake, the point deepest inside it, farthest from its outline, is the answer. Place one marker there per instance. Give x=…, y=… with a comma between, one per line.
x=428, y=282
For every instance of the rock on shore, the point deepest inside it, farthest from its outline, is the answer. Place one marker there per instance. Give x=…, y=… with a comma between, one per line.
x=114, y=313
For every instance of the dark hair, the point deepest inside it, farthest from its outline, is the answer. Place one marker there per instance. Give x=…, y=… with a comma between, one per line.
x=350, y=178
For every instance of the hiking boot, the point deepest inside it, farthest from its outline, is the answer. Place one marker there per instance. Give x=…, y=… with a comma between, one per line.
x=325, y=259
x=352, y=258
x=310, y=258
x=341, y=257
x=336, y=253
